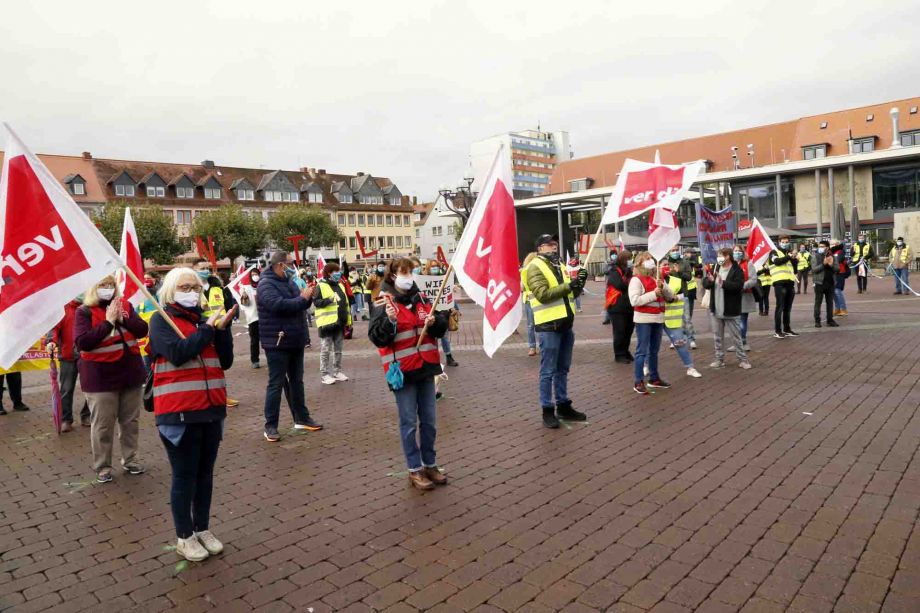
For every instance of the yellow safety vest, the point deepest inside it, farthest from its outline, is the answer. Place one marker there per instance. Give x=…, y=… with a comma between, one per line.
x=674, y=311
x=905, y=254
x=860, y=252
x=691, y=284
x=328, y=315
x=555, y=310
x=766, y=280
x=215, y=298
x=782, y=272
x=803, y=258
x=146, y=311
x=525, y=295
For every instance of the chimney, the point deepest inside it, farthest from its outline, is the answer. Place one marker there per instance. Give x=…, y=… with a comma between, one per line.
x=414, y=200
x=360, y=174
x=209, y=164
x=87, y=155
x=895, y=134
x=321, y=171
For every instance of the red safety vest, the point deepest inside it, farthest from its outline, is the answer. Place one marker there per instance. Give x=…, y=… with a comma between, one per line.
x=194, y=386
x=112, y=347
x=408, y=326
x=650, y=284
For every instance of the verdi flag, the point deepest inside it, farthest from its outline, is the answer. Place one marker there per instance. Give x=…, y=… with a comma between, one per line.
x=239, y=281
x=663, y=232
x=131, y=256
x=50, y=251
x=714, y=230
x=642, y=187
x=759, y=245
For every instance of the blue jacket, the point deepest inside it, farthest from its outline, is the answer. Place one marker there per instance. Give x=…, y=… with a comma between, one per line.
x=281, y=309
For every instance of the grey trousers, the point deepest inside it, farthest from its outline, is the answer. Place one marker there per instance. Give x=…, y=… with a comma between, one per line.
x=67, y=379
x=122, y=407
x=733, y=324
x=330, y=353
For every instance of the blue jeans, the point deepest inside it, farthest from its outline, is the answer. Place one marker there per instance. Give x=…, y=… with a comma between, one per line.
x=683, y=350
x=531, y=333
x=743, y=323
x=555, y=360
x=192, y=462
x=578, y=302
x=445, y=343
x=285, y=372
x=901, y=279
x=840, y=302
x=415, y=402
x=648, y=342
x=358, y=306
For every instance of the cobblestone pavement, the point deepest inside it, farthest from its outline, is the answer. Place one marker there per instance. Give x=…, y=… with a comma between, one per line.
x=792, y=486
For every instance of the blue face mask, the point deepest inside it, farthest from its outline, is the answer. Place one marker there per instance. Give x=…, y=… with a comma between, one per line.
x=821, y=250
x=203, y=275
x=675, y=255
x=738, y=256
x=289, y=273
x=336, y=276
x=416, y=270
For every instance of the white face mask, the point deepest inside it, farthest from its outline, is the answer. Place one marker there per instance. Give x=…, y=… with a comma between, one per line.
x=404, y=283
x=648, y=265
x=187, y=299
x=105, y=293
x=255, y=279
x=720, y=260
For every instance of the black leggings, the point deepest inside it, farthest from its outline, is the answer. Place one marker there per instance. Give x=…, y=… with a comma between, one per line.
x=192, y=464
x=622, y=333
x=785, y=294
x=254, y=342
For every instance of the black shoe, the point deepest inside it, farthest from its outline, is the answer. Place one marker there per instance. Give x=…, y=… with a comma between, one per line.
x=779, y=335
x=271, y=434
x=20, y=407
x=310, y=425
x=817, y=324
x=565, y=411
x=658, y=383
x=2, y=410
x=833, y=324
x=549, y=418
x=622, y=360
x=790, y=333
x=606, y=323
x=451, y=361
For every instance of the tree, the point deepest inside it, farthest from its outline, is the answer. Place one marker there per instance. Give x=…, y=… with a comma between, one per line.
x=234, y=232
x=310, y=221
x=156, y=232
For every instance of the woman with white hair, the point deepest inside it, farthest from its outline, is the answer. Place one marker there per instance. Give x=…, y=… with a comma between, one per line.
x=190, y=403
x=106, y=332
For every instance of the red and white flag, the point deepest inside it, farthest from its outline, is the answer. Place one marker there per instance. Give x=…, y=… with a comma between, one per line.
x=320, y=265
x=759, y=244
x=663, y=232
x=50, y=251
x=131, y=255
x=240, y=280
x=642, y=186
x=486, y=259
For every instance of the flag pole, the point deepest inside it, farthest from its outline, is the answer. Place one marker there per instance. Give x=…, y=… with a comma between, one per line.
x=149, y=296
x=450, y=269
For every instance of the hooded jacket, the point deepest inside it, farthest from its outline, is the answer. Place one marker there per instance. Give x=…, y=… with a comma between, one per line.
x=281, y=309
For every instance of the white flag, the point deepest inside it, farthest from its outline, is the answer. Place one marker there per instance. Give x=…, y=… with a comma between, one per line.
x=663, y=232
x=131, y=256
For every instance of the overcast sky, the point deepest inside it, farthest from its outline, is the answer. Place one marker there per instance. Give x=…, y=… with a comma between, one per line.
x=400, y=89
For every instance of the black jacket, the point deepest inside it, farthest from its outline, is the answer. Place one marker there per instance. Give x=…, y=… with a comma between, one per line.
x=619, y=280
x=732, y=288
x=382, y=332
x=281, y=309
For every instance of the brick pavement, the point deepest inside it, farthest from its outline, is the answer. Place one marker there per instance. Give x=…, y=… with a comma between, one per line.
x=720, y=494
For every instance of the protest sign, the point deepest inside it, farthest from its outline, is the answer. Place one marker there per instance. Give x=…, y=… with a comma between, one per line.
x=35, y=358
x=714, y=230
x=429, y=285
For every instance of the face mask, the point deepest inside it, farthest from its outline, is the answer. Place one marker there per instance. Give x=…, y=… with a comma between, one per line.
x=784, y=246
x=380, y=270
x=900, y=243
x=404, y=282
x=105, y=293
x=675, y=255
x=255, y=279
x=720, y=260
x=435, y=271
x=310, y=275
x=416, y=270
x=738, y=255
x=289, y=273
x=861, y=241
x=336, y=276
x=187, y=299
x=629, y=265
x=148, y=283
x=821, y=250
x=203, y=275
x=648, y=265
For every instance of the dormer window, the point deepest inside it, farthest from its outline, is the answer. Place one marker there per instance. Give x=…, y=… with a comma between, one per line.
x=212, y=193
x=155, y=185
x=75, y=184
x=344, y=198
x=123, y=185
x=814, y=152
x=124, y=190
x=313, y=193
x=578, y=185
x=156, y=192
x=184, y=192
x=78, y=189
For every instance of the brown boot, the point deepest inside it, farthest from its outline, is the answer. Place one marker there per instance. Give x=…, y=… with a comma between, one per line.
x=419, y=481
x=435, y=475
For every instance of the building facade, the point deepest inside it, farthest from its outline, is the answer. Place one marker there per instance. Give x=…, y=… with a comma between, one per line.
x=534, y=155
x=437, y=227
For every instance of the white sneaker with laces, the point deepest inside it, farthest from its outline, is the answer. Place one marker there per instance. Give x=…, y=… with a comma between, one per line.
x=744, y=365
x=191, y=549
x=692, y=372
x=692, y=344
x=327, y=380
x=210, y=542
x=340, y=376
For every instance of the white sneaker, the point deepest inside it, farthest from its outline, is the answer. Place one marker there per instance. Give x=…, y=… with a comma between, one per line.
x=717, y=364
x=191, y=549
x=340, y=376
x=645, y=370
x=692, y=344
x=671, y=346
x=744, y=365
x=692, y=372
x=746, y=347
x=210, y=542
x=730, y=349
x=328, y=380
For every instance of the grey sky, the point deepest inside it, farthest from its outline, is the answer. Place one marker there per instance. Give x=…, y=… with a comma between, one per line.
x=400, y=89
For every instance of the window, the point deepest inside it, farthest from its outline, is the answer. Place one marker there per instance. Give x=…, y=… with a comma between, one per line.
x=896, y=188
x=352, y=243
x=315, y=197
x=760, y=200
x=344, y=198
x=290, y=197
x=408, y=241
x=342, y=243
x=245, y=194
x=184, y=192
x=405, y=220
x=580, y=184
x=389, y=241
x=450, y=230
x=156, y=192
x=395, y=200
x=341, y=219
x=436, y=231
x=370, y=220
x=389, y=220
x=78, y=189
x=380, y=220
x=361, y=219
x=814, y=152
x=416, y=233
x=351, y=220
x=909, y=139
x=399, y=220
x=212, y=193
x=183, y=217
x=399, y=241
x=863, y=145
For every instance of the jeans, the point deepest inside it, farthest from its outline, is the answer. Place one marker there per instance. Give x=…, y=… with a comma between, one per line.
x=718, y=336
x=254, y=342
x=358, y=306
x=67, y=380
x=785, y=294
x=623, y=326
x=901, y=280
x=121, y=407
x=445, y=343
x=14, y=383
x=285, y=370
x=802, y=278
x=743, y=324
x=330, y=353
x=825, y=294
x=531, y=333
x=415, y=402
x=192, y=463
x=578, y=302
x=689, y=330
x=840, y=302
x=683, y=349
x=555, y=360
x=648, y=342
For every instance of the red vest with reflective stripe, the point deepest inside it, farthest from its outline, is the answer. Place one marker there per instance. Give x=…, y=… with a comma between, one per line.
x=650, y=284
x=408, y=326
x=194, y=386
x=111, y=349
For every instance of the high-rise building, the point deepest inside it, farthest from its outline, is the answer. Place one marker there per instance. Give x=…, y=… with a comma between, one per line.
x=534, y=155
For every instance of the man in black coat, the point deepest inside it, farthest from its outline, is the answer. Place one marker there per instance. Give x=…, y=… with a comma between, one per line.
x=619, y=310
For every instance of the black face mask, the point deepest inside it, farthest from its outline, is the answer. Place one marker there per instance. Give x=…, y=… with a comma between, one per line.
x=552, y=257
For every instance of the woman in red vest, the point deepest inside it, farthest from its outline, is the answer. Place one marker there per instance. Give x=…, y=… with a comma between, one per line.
x=411, y=367
x=190, y=403
x=647, y=295
x=106, y=332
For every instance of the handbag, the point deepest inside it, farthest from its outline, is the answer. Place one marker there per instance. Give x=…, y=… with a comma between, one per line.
x=453, y=320
x=704, y=301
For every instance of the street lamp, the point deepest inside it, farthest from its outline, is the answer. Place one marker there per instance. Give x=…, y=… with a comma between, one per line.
x=464, y=192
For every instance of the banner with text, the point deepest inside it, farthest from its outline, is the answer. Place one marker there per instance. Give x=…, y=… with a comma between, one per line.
x=714, y=230
x=430, y=285
x=36, y=358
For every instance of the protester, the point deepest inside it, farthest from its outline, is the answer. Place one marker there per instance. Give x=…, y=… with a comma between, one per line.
x=727, y=285
x=575, y=268
x=403, y=315
x=842, y=272
x=60, y=342
x=823, y=271
x=554, y=313
x=190, y=404
x=106, y=332
x=682, y=268
x=14, y=381
x=282, y=330
x=332, y=316
x=900, y=261
x=647, y=295
x=802, y=268
x=674, y=319
x=433, y=267
x=748, y=298
x=306, y=280
x=357, y=284
x=526, y=297
x=373, y=285
x=861, y=257
x=145, y=311
x=765, y=284
x=782, y=272
x=214, y=297
x=619, y=308
x=611, y=262
x=250, y=309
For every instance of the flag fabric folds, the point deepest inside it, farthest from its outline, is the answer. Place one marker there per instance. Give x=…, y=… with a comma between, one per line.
x=131, y=256
x=663, y=232
x=760, y=245
x=239, y=280
x=642, y=187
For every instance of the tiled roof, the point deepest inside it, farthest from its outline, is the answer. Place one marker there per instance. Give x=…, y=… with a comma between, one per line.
x=63, y=166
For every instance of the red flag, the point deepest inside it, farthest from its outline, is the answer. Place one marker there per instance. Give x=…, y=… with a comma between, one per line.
x=759, y=244
x=663, y=232
x=320, y=264
x=642, y=186
x=50, y=251
x=239, y=280
x=131, y=256
x=486, y=258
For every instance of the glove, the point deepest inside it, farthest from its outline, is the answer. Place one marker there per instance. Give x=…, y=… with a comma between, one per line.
x=582, y=277
x=576, y=285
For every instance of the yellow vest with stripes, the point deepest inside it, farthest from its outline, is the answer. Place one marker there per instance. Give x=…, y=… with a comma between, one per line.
x=782, y=272
x=555, y=310
x=803, y=259
x=525, y=295
x=860, y=251
x=328, y=315
x=215, y=298
x=674, y=311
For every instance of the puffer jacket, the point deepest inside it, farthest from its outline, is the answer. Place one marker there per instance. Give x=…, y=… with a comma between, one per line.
x=281, y=309
x=539, y=287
